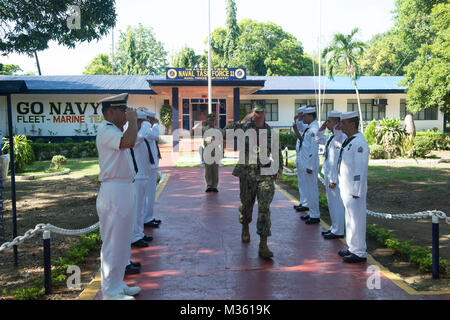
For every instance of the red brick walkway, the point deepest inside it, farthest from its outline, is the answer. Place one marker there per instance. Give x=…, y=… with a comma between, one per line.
x=197, y=252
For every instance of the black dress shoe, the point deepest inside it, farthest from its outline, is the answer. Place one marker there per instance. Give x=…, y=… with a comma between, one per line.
x=305, y=217
x=297, y=207
x=151, y=224
x=140, y=243
x=312, y=221
x=215, y=190
x=147, y=238
x=330, y=236
x=325, y=232
x=135, y=264
x=302, y=208
x=344, y=253
x=130, y=269
x=157, y=221
x=208, y=190
x=353, y=258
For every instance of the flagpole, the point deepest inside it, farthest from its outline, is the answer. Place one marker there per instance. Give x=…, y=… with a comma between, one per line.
x=320, y=60
x=209, y=58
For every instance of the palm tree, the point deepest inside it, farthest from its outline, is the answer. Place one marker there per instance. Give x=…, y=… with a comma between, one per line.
x=343, y=51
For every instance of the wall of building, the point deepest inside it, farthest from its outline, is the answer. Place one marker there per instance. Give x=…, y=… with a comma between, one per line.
x=63, y=114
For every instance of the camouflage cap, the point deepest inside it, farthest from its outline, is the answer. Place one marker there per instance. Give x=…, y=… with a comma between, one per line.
x=259, y=106
x=211, y=116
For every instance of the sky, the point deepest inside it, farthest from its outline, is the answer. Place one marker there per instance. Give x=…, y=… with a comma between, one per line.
x=177, y=23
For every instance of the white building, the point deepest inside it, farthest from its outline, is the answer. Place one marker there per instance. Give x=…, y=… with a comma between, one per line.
x=66, y=106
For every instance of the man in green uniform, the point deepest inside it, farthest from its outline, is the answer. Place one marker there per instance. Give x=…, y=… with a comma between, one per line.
x=257, y=178
x=211, y=170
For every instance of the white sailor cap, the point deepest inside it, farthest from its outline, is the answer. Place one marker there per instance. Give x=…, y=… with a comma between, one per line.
x=334, y=114
x=150, y=113
x=141, y=115
x=301, y=109
x=349, y=115
x=309, y=110
x=119, y=101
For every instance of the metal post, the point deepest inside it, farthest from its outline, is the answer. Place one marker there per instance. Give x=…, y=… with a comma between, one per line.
x=47, y=263
x=13, y=176
x=435, y=246
x=287, y=155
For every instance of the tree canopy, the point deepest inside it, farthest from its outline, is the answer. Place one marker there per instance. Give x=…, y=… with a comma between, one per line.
x=139, y=52
x=262, y=48
x=101, y=64
x=28, y=26
x=186, y=58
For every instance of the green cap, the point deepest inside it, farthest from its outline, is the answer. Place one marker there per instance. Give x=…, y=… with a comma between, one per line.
x=259, y=106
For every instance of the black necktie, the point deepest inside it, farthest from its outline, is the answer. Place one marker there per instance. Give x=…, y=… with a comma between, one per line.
x=303, y=138
x=134, y=160
x=159, y=153
x=326, y=147
x=152, y=161
x=346, y=142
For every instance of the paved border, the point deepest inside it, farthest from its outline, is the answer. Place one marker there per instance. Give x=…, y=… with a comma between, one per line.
x=94, y=286
x=397, y=280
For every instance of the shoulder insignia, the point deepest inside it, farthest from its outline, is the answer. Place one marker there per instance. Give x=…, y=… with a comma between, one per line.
x=360, y=149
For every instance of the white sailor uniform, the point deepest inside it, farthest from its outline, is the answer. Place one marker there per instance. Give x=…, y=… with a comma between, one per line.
x=152, y=137
x=301, y=126
x=144, y=159
x=115, y=207
x=333, y=144
x=352, y=166
x=309, y=159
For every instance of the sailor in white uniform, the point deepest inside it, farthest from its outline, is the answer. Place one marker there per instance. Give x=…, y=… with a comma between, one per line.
x=301, y=127
x=116, y=197
x=333, y=143
x=144, y=159
x=352, y=167
x=309, y=165
x=152, y=137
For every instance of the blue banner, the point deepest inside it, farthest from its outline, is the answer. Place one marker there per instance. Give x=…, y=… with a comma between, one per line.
x=202, y=73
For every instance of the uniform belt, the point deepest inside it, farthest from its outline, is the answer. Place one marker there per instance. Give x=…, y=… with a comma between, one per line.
x=118, y=181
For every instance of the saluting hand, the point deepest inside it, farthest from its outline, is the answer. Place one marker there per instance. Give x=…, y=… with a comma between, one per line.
x=323, y=126
x=308, y=171
x=332, y=185
x=131, y=115
x=248, y=117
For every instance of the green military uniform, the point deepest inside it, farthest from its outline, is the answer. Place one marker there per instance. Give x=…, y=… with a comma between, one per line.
x=255, y=185
x=211, y=170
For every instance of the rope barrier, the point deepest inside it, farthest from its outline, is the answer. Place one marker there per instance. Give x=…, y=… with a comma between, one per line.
x=413, y=216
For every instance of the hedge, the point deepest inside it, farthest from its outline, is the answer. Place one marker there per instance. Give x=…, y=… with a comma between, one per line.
x=46, y=151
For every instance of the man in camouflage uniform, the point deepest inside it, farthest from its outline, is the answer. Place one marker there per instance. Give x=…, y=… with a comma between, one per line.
x=252, y=182
x=211, y=170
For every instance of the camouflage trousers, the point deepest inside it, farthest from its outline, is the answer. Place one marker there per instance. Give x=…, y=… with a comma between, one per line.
x=212, y=175
x=263, y=188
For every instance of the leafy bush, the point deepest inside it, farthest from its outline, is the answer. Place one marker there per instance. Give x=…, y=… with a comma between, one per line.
x=23, y=152
x=68, y=140
x=59, y=161
x=390, y=134
x=166, y=117
x=438, y=140
x=369, y=133
x=288, y=140
x=376, y=151
x=422, y=146
x=45, y=151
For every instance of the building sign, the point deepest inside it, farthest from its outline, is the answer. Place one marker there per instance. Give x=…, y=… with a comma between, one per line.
x=202, y=74
x=57, y=115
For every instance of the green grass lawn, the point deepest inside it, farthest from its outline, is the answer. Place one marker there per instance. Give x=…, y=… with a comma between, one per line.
x=80, y=167
x=426, y=175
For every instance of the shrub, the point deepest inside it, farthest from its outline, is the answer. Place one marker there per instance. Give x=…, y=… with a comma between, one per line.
x=59, y=161
x=422, y=146
x=390, y=134
x=68, y=140
x=23, y=152
x=288, y=140
x=165, y=115
x=369, y=133
x=376, y=151
x=437, y=139
x=45, y=151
